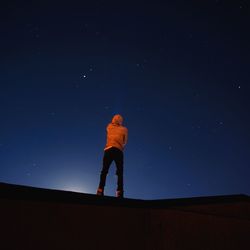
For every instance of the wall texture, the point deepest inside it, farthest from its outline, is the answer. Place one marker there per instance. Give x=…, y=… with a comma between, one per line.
x=48, y=219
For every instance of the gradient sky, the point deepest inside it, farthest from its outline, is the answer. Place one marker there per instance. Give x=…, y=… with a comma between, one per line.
x=178, y=72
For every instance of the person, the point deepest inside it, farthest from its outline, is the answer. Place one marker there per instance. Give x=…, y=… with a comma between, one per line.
x=117, y=136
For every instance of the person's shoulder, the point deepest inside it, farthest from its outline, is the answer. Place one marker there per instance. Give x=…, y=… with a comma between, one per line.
x=124, y=129
x=109, y=125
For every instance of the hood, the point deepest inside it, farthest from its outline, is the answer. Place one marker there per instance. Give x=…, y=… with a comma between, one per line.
x=117, y=119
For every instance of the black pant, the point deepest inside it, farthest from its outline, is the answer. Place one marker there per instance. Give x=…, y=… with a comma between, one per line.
x=110, y=155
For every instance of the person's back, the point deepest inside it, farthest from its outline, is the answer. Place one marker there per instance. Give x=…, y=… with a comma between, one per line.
x=117, y=136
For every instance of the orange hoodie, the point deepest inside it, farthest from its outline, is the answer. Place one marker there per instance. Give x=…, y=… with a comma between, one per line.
x=117, y=135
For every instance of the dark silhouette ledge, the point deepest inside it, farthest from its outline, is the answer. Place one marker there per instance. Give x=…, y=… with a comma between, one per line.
x=37, y=218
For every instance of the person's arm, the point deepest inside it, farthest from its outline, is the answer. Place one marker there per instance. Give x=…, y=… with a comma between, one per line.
x=125, y=137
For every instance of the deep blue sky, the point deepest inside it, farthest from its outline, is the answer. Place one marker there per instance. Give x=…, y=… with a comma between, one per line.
x=178, y=72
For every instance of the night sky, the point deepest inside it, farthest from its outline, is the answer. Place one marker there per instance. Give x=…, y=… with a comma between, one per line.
x=178, y=72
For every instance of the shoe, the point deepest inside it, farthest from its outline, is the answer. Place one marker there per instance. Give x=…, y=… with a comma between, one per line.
x=119, y=194
x=100, y=192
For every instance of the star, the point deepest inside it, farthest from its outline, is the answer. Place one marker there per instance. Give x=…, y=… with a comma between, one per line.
x=35, y=165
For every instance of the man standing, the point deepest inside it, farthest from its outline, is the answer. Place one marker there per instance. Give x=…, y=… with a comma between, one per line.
x=117, y=136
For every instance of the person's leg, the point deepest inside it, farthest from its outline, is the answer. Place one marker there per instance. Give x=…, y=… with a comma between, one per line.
x=119, y=171
x=107, y=160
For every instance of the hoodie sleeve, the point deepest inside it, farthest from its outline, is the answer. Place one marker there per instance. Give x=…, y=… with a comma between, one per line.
x=125, y=138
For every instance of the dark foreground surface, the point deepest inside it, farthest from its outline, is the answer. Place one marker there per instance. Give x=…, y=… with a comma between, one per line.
x=35, y=218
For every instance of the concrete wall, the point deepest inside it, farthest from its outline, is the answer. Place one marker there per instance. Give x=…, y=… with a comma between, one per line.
x=41, y=225
x=36, y=218
x=27, y=224
x=173, y=229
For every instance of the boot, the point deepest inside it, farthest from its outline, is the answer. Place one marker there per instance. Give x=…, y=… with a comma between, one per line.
x=100, y=192
x=119, y=194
